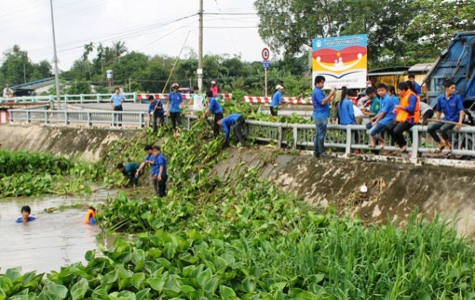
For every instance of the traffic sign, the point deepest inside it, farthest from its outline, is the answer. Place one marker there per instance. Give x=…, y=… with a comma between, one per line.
x=266, y=64
x=265, y=53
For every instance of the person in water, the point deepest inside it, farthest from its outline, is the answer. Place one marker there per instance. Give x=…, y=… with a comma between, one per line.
x=90, y=216
x=25, y=215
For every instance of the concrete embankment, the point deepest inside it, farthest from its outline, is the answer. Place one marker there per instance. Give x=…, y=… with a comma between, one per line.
x=395, y=190
x=85, y=143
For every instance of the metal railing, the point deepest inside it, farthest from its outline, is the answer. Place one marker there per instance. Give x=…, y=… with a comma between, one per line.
x=95, y=98
x=339, y=138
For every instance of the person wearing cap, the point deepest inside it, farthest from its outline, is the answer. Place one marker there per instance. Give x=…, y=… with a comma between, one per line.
x=175, y=101
x=276, y=100
x=156, y=111
x=214, y=88
x=213, y=108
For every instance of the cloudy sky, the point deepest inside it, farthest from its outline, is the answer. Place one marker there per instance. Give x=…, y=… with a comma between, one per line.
x=149, y=26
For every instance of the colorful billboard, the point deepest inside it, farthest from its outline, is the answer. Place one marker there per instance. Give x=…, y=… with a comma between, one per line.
x=342, y=60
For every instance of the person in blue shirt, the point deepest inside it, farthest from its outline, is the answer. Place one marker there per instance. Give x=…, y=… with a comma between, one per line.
x=175, y=102
x=276, y=100
x=116, y=101
x=149, y=150
x=156, y=111
x=129, y=170
x=346, y=114
x=417, y=87
x=159, y=172
x=238, y=121
x=321, y=112
x=213, y=108
x=385, y=117
x=451, y=105
x=25, y=215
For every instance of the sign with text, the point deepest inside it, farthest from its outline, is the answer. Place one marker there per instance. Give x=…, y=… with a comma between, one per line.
x=341, y=60
x=266, y=64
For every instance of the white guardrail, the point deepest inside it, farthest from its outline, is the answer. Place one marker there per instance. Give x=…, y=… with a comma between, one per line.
x=95, y=98
x=344, y=138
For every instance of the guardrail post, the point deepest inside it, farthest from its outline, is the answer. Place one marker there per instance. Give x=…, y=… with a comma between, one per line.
x=415, y=141
x=349, y=140
x=89, y=123
x=66, y=118
x=46, y=117
x=82, y=98
x=295, y=134
x=113, y=118
x=279, y=140
x=135, y=95
x=98, y=97
x=27, y=117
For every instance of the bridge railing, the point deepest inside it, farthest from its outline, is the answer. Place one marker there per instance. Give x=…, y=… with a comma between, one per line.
x=95, y=98
x=342, y=138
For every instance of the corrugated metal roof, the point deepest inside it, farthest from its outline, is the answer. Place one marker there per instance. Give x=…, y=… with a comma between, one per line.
x=421, y=68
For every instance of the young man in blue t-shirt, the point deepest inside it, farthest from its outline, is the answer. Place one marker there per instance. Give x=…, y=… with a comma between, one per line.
x=213, y=108
x=159, y=172
x=175, y=102
x=116, y=102
x=238, y=121
x=156, y=111
x=321, y=112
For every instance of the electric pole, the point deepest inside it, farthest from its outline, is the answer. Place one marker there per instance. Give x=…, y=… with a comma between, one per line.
x=200, y=48
x=55, y=61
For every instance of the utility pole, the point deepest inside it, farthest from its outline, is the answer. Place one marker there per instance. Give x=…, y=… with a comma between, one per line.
x=55, y=60
x=200, y=48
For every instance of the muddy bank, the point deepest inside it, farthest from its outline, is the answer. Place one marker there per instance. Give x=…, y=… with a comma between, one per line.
x=85, y=143
x=394, y=190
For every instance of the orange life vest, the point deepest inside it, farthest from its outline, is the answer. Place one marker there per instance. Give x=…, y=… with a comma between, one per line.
x=90, y=214
x=403, y=115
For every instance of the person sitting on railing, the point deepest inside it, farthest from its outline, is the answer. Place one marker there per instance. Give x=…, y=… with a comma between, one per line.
x=385, y=117
x=213, y=108
x=197, y=100
x=237, y=120
x=116, y=102
x=7, y=92
x=407, y=114
x=426, y=112
x=156, y=111
x=451, y=105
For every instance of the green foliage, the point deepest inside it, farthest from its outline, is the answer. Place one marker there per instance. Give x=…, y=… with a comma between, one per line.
x=25, y=174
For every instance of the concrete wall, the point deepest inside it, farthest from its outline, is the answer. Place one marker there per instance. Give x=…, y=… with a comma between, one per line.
x=88, y=144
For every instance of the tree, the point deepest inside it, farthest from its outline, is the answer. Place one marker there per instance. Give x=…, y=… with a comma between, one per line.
x=119, y=49
x=17, y=67
x=434, y=27
x=290, y=25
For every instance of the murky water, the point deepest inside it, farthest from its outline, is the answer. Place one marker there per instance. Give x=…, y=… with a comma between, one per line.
x=53, y=239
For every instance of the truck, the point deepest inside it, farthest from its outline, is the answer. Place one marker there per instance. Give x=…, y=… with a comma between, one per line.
x=456, y=63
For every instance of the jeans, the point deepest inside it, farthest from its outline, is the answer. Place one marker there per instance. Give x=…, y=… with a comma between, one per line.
x=154, y=121
x=375, y=130
x=216, y=126
x=238, y=130
x=443, y=128
x=321, y=132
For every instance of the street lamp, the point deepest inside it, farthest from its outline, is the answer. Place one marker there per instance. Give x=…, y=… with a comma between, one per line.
x=55, y=60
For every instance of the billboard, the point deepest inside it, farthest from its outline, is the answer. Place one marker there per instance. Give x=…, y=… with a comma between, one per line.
x=342, y=60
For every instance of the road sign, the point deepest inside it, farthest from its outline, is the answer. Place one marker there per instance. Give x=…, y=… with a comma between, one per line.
x=265, y=54
x=266, y=64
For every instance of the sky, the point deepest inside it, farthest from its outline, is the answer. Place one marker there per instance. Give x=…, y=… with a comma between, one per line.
x=154, y=27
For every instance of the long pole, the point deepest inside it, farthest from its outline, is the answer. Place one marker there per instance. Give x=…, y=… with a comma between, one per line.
x=265, y=82
x=55, y=60
x=200, y=48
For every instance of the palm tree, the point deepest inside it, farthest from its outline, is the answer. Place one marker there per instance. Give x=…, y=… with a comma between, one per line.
x=119, y=48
